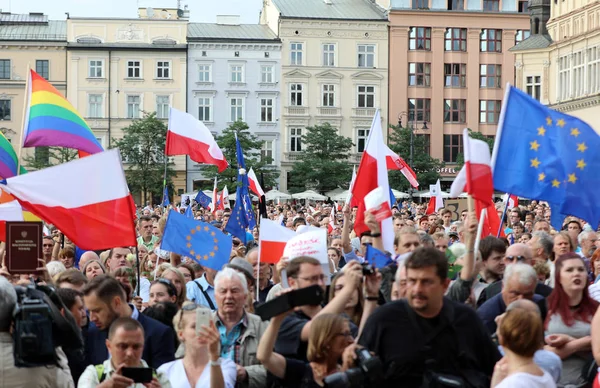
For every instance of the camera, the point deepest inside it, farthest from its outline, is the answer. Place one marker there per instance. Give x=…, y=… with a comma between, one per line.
x=367, y=373
x=367, y=269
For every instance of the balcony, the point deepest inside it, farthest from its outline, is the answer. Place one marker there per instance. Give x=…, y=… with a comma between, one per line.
x=363, y=112
x=291, y=156
x=296, y=111
x=328, y=111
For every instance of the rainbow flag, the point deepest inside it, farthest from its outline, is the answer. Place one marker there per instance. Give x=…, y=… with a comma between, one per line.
x=51, y=120
x=8, y=159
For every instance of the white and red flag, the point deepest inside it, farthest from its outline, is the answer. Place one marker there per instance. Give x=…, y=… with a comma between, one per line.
x=372, y=173
x=225, y=198
x=510, y=200
x=395, y=162
x=436, y=200
x=272, y=239
x=188, y=136
x=95, y=213
x=254, y=185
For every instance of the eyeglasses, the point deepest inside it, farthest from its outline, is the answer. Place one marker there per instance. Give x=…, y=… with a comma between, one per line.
x=514, y=259
x=314, y=279
x=346, y=334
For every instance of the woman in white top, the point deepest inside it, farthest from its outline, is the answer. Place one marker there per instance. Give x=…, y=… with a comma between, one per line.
x=521, y=334
x=201, y=366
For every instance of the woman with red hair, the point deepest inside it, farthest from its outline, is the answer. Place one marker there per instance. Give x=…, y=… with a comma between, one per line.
x=570, y=313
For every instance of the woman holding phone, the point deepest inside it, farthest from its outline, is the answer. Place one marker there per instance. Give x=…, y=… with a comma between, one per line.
x=201, y=365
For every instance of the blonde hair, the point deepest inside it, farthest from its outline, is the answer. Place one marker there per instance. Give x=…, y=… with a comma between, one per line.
x=160, y=269
x=104, y=257
x=323, y=331
x=181, y=297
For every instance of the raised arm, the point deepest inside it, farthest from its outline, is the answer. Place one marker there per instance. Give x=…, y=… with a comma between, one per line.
x=274, y=362
x=470, y=231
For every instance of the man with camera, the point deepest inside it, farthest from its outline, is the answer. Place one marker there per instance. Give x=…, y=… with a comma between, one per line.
x=125, y=367
x=428, y=340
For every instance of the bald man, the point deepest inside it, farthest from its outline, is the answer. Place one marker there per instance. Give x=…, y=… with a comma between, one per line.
x=87, y=256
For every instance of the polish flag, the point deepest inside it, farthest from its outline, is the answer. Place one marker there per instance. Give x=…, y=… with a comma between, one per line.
x=254, y=185
x=95, y=213
x=188, y=136
x=513, y=200
x=395, y=162
x=225, y=198
x=372, y=173
x=436, y=201
x=220, y=203
x=349, y=200
x=272, y=239
x=332, y=218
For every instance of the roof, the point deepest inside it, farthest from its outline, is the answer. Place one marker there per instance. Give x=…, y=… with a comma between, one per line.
x=10, y=18
x=213, y=31
x=333, y=9
x=53, y=30
x=533, y=42
x=127, y=46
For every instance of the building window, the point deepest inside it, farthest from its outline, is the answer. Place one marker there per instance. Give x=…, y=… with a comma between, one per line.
x=456, y=5
x=578, y=74
x=593, y=69
x=163, y=70
x=42, y=67
x=5, y=106
x=162, y=107
x=455, y=111
x=296, y=53
x=96, y=68
x=490, y=76
x=426, y=143
x=328, y=54
x=204, y=73
x=489, y=111
x=361, y=139
x=534, y=86
x=266, y=152
x=419, y=74
x=4, y=68
x=420, y=4
x=453, y=145
x=419, y=109
x=523, y=6
x=95, y=106
x=134, y=69
x=237, y=108
x=205, y=109
x=42, y=155
x=266, y=110
x=455, y=75
x=419, y=38
x=295, y=139
x=366, y=97
x=366, y=55
x=491, y=41
x=455, y=39
x=491, y=5
x=564, y=77
x=296, y=95
x=133, y=107
x=236, y=73
x=267, y=74
x=328, y=92
x=522, y=35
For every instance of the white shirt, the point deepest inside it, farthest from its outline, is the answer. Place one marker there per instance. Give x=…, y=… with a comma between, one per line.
x=594, y=291
x=526, y=380
x=175, y=372
x=90, y=379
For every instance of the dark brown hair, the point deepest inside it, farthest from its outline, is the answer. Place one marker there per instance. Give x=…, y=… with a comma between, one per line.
x=106, y=288
x=294, y=267
x=429, y=257
x=127, y=323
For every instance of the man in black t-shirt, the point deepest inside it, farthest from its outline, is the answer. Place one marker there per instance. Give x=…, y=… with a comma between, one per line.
x=427, y=333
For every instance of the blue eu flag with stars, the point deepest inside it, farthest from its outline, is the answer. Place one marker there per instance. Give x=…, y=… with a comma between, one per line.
x=237, y=223
x=243, y=187
x=377, y=258
x=203, y=199
x=205, y=244
x=165, y=201
x=546, y=155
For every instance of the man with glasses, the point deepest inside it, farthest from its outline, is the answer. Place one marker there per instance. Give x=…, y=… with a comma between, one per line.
x=304, y=271
x=47, y=247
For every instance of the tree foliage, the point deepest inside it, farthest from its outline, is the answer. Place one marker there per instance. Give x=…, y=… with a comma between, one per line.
x=323, y=162
x=48, y=156
x=424, y=165
x=142, y=149
x=251, y=147
x=460, y=158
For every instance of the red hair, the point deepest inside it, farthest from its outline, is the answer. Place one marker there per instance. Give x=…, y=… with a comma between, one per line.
x=558, y=301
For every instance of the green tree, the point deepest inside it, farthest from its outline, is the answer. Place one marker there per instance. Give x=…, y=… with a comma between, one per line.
x=48, y=156
x=460, y=158
x=251, y=147
x=423, y=164
x=142, y=149
x=323, y=162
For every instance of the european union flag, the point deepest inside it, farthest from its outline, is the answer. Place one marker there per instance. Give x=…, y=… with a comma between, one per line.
x=203, y=199
x=546, y=155
x=189, y=213
x=377, y=258
x=165, y=201
x=202, y=242
x=243, y=188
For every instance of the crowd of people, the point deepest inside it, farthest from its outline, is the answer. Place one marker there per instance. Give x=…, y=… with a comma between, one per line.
x=520, y=311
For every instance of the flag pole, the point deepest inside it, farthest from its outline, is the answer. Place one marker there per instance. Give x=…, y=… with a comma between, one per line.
x=503, y=215
x=479, y=231
x=165, y=180
x=137, y=265
x=24, y=116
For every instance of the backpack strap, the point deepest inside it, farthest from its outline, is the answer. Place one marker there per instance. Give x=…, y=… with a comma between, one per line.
x=100, y=372
x=210, y=302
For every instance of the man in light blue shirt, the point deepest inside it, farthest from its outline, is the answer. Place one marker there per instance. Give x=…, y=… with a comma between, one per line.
x=202, y=290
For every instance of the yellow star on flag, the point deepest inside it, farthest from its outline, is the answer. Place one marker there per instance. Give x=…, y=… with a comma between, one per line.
x=192, y=252
x=581, y=164
x=198, y=257
x=555, y=183
x=215, y=240
x=216, y=248
x=535, y=163
x=572, y=178
x=206, y=228
x=541, y=131
x=548, y=121
x=575, y=132
x=581, y=147
x=560, y=123
x=534, y=145
x=541, y=176
x=188, y=245
x=205, y=257
x=198, y=228
x=193, y=231
x=212, y=254
x=189, y=238
x=212, y=234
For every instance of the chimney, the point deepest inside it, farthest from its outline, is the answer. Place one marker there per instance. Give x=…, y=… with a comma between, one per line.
x=228, y=20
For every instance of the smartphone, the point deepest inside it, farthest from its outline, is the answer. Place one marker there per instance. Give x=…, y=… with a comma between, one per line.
x=309, y=296
x=203, y=318
x=138, y=375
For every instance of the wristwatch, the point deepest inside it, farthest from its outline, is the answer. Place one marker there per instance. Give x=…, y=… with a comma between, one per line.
x=216, y=363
